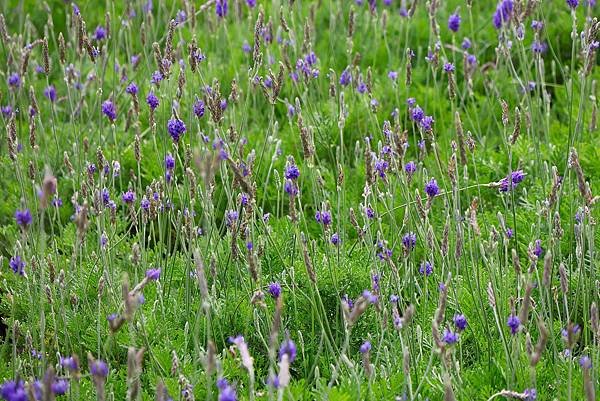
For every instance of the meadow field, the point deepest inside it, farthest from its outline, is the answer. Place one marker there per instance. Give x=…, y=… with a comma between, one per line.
x=299, y=200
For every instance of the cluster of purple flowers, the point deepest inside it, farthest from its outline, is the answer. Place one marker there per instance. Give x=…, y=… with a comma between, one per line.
x=323, y=217
x=176, y=129
x=23, y=217
x=418, y=116
x=511, y=181
x=503, y=13
x=409, y=241
x=109, y=109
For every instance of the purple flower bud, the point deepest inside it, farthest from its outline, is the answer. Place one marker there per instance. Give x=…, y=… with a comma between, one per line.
x=14, y=80
x=365, y=347
x=288, y=347
x=345, y=77
x=132, y=89
x=221, y=8
x=152, y=100
x=454, y=22
x=98, y=369
x=431, y=188
x=450, y=337
x=100, y=33
x=176, y=129
x=60, y=386
x=426, y=268
x=50, y=93
x=514, y=323
x=275, y=290
x=153, y=274
x=409, y=240
x=109, y=110
x=17, y=265
x=23, y=217
x=460, y=322
x=449, y=67
x=13, y=391
x=128, y=197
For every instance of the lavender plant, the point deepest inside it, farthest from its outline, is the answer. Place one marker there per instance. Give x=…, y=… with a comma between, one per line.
x=230, y=199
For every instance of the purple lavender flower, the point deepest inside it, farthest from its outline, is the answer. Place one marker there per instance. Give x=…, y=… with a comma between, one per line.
x=221, y=8
x=152, y=100
x=585, y=362
x=466, y=44
x=323, y=217
x=176, y=129
x=515, y=178
x=539, y=47
x=109, y=110
x=393, y=75
x=288, y=347
x=432, y=188
x=503, y=13
x=450, y=337
x=50, y=93
x=231, y=217
x=409, y=240
x=199, y=108
x=103, y=241
x=417, y=114
x=365, y=347
x=128, y=197
x=17, y=265
x=573, y=4
x=275, y=290
x=345, y=77
x=14, y=80
x=226, y=391
x=169, y=162
x=180, y=17
x=251, y=3
x=156, y=78
x=132, y=89
x=427, y=123
x=335, y=239
x=291, y=172
x=454, y=22
x=13, y=391
x=514, y=323
x=460, y=322
x=509, y=233
x=153, y=274
x=23, y=217
x=537, y=25
x=100, y=33
x=410, y=168
x=60, y=386
x=538, y=250
x=426, y=268
x=69, y=362
x=381, y=166
x=7, y=110
x=98, y=368
x=530, y=394
x=290, y=188
x=449, y=67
